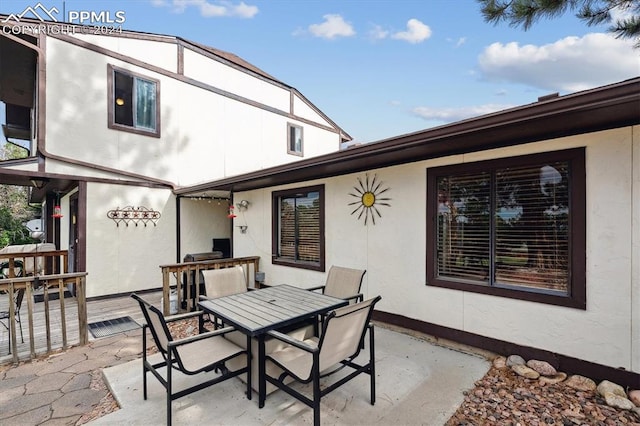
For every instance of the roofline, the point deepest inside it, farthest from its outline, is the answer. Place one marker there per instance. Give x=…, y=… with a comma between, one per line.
x=602, y=108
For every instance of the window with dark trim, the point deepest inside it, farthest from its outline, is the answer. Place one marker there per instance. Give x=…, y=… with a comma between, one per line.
x=295, y=140
x=134, y=102
x=513, y=227
x=298, y=227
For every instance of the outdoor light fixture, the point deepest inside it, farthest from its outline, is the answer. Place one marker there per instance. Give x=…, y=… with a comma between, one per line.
x=244, y=204
x=119, y=101
x=39, y=183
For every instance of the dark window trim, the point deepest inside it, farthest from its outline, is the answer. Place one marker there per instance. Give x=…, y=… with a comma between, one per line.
x=289, y=150
x=111, y=101
x=275, y=214
x=576, y=297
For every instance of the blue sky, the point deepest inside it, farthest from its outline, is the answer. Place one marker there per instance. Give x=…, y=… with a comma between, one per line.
x=383, y=68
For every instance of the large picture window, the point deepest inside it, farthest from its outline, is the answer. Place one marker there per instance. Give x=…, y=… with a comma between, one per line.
x=511, y=227
x=133, y=102
x=298, y=227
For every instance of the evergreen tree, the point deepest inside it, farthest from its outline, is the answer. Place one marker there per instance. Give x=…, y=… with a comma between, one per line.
x=625, y=24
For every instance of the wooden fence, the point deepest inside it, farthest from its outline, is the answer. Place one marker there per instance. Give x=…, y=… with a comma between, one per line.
x=44, y=285
x=179, y=275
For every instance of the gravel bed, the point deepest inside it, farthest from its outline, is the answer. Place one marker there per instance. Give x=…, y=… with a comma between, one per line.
x=503, y=398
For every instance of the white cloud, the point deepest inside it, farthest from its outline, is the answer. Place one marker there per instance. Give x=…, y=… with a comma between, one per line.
x=417, y=32
x=209, y=9
x=570, y=64
x=456, y=114
x=333, y=26
x=459, y=42
x=378, y=33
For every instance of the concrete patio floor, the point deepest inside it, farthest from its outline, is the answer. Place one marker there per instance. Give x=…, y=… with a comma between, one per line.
x=417, y=383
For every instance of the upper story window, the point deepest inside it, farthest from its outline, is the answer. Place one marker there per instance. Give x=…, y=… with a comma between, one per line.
x=134, y=102
x=512, y=227
x=298, y=227
x=295, y=139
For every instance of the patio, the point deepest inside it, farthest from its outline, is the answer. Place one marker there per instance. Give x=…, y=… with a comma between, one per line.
x=417, y=382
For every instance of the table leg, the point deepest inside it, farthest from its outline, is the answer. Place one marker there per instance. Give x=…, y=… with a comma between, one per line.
x=249, y=356
x=262, y=381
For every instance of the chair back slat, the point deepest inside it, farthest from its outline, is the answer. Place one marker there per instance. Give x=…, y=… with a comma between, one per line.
x=343, y=331
x=224, y=282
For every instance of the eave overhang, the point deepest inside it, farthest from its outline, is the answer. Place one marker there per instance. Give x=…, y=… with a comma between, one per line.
x=608, y=107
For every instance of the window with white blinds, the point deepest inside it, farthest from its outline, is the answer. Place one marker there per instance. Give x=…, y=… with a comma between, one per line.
x=508, y=226
x=299, y=227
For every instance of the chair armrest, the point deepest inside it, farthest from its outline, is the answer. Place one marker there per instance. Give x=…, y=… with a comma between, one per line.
x=356, y=297
x=292, y=341
x=315, y=288
x=197, y=337
x=179, y=317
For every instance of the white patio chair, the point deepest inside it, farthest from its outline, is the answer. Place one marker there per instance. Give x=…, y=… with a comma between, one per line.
x=223, y=282
x=339, y=344
x=343, y=283
x=191, y=355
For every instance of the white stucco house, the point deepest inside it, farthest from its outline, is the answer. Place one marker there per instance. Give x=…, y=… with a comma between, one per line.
x=114, y=124
x=517, y=232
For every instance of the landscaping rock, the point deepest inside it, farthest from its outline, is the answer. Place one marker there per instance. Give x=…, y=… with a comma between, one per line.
x=614, y=395
x=515, y=360
x=606, y=387
x=550, y=380
x=500, y=362
x=581, y=383
x=542, y=367
x=634, y=396
x=524, y=371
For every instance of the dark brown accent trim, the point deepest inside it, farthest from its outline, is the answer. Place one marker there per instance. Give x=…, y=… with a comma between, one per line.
x=180, y=60
x=291, y=101
x=41, y=81
x=577, y=285
x=275, y=217
x=567, y=364
x=613, y=106
x=345, y=137
x=81, y=246
x=111, y=123
x=189, y=81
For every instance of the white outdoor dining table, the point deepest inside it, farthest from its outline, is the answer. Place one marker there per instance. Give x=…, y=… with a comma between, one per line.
x=254, y=313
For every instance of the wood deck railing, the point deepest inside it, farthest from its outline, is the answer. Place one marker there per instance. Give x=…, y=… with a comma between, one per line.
x=46, y=285
x=178, y=275
x=40, y=263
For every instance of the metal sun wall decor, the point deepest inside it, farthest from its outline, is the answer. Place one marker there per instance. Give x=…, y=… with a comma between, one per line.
x=133, y=214
x=369, y=197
